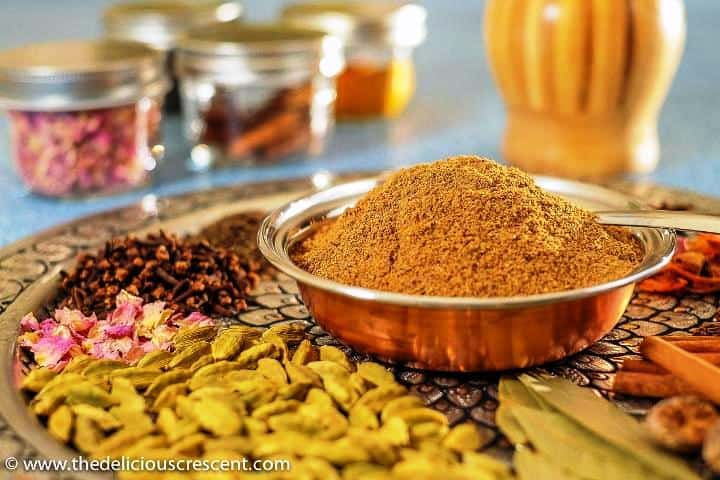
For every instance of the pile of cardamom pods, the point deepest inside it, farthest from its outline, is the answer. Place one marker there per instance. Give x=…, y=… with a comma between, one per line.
x=244, y=392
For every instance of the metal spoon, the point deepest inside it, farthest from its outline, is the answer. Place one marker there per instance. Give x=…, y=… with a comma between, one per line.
x=661, y=219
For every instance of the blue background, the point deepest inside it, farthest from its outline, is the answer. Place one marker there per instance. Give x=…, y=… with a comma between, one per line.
x=456, y=110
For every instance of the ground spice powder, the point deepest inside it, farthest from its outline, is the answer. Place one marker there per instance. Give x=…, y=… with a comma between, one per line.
x=467, y=226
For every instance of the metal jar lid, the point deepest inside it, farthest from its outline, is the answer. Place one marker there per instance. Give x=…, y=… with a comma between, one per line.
x=160, y=23
x=396, y=23
x=79, y=75
x=239, y=53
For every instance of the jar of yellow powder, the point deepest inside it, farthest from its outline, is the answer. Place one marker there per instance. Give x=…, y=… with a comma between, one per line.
x=380, y=36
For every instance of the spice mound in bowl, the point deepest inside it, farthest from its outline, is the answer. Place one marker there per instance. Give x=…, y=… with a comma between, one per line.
x=467, y=227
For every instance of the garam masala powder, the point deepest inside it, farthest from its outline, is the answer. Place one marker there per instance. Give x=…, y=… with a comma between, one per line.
x=467, y=226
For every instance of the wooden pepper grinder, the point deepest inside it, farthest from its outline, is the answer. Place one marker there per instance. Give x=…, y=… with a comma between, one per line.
x=583, y=81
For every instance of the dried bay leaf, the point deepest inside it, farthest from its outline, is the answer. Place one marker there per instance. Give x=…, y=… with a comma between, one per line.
x=534, y=466
x=553, y=435
x=608, y=422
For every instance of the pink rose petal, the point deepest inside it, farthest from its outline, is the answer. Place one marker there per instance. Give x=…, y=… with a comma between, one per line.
x=129, y=332
x=29, y=322
x=117, y=331
x=50, y=350
x=124, y=298
x=195, y=319
x=75, y=320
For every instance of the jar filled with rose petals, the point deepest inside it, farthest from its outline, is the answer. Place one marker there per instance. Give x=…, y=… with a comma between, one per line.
x=84, y=115
x=255, y=94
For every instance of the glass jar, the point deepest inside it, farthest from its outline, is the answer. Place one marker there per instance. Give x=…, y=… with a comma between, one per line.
x=84, y=116
x=256, y=94
x=380, y=36
x=160, y=23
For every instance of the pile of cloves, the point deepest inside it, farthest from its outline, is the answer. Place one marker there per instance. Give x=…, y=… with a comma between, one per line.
x=188, y=275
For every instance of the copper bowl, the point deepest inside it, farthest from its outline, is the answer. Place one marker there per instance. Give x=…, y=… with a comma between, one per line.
x=459, y=333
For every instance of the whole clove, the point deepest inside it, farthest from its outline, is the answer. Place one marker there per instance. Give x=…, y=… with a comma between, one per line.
x=188, y=275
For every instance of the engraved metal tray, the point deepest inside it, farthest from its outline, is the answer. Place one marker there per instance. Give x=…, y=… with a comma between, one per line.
x=30, y=267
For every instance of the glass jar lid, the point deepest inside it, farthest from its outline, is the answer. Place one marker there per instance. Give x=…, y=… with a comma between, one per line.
x=397, y=23
x=79, y=75
x=161, y=22
x=237, y=53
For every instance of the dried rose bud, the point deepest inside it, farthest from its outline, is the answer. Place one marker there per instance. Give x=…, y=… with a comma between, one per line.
x=681, y=423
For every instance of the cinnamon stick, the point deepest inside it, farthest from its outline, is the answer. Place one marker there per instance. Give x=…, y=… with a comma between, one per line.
x=642, y=384
x=701, y=375
x=691, y=338
x=645, y=366
x=275, y=128
x=696, y=344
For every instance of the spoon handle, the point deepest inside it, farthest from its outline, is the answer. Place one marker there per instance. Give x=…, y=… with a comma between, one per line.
x=661, y=219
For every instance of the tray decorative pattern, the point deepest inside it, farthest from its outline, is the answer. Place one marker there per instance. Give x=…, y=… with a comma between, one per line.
x=462, y=397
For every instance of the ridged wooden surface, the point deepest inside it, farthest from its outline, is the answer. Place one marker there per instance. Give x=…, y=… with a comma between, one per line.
x=577, y=74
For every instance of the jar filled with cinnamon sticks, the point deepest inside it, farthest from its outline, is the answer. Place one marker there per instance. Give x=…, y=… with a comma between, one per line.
x=254, y=94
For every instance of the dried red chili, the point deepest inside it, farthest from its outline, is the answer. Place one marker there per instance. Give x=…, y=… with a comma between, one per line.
x=694, y=268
